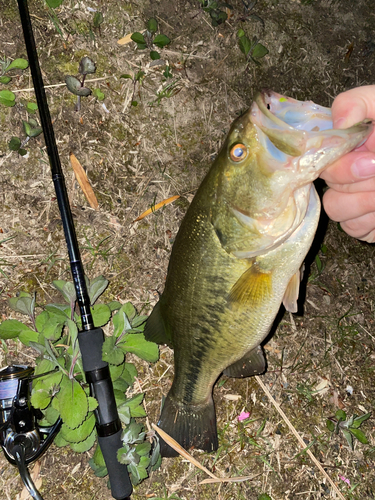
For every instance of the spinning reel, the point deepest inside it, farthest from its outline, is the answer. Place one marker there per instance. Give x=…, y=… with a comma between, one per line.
x=21, y=438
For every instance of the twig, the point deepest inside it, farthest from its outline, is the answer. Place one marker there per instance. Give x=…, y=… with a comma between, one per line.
x=31, y=89
x=214, y=479
x=299, y=439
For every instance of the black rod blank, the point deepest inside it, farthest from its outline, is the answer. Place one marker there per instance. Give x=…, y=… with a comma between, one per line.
x=90, y=339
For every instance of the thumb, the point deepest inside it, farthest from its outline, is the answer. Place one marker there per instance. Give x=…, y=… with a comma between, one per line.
x=353, y=106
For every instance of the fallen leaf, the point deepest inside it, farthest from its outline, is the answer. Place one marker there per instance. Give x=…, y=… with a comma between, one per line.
x=156, y=207
x=125, y=40
x=83, y=182
x=232, y=397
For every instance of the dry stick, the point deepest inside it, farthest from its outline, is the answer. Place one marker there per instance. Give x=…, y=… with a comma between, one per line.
x=31, y=89
x=173, y=444
x=300, y=440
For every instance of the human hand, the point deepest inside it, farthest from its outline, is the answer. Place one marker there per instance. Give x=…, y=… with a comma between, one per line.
x=351, y=197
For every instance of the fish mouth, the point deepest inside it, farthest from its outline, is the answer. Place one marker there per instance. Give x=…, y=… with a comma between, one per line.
x=288, y=128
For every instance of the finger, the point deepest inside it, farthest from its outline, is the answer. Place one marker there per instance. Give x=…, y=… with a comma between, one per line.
x=351, y=168
x=354, y=106
x=362, y=228
x=344, y=207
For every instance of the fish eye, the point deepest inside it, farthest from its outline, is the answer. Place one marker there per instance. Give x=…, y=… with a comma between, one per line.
x=238, y=152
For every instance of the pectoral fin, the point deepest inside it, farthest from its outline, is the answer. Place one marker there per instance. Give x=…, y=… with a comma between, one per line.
x=253, y=363
x=254, y=287
x=292, y=292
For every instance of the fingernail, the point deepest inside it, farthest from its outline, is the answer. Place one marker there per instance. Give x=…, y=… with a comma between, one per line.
x=364, y=167
x=340, y=123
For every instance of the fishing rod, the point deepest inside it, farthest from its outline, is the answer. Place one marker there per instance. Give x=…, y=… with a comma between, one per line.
x=90, y=339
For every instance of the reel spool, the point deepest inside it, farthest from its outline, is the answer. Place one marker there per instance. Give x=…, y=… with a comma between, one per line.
x=21, y=438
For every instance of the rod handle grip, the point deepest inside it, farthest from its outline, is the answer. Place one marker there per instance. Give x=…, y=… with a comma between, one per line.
x=121, y=485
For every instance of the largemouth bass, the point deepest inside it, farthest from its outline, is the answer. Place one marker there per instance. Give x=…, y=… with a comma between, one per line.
x=238, y=254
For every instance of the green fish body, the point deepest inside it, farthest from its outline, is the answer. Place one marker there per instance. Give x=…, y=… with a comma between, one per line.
x=238, y=253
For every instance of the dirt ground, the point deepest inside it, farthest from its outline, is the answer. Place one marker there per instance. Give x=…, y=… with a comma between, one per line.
x=320, y=360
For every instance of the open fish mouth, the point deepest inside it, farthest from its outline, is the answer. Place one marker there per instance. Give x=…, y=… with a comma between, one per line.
x=288, y=128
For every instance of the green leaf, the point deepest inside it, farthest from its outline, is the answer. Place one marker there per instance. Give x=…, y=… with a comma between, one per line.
x=11, y=328
x=137, y=344
x=120, y=385
x=14, y=144
x=60, y=441
x=244, y=44
x=73, y=404
x=143, y=449
x=40, y=399
x=138, y=472
x=138, y=38
x=51, y=415
x=129, y=374
x=120, y=322
x=134, y=103
x=22, y=152
x=240, y=33
x=98, y=19
x=86, y=66
x=358, y=420
x=127, y=76
x=259, y=51
x=54, y=3
x=330, y=425
x=340, y=415
x=114, y=305
x=124, y=414
x=17, y=64
x=152, y=25
x=58, y=311
x=139, y=321
x=85, y=445
x=97, y=463
x=67, y=289
x=7, y=98
x=349, y=438
x=154, y=55
x=98, y=284
x=5, y=79
x=133, y=404
x=74, y=86
x=264, y=496
x=116, y=371
x=31, y=107
x=101, y=314
x=24, y=303
x=28, y=336
x=111, y=352
x=133, y=434
x=98, y=94
x=81, y=432
x=359, y=435
x=161, y=41
x=93, y=404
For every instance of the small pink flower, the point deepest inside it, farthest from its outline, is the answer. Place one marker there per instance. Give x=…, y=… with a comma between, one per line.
x=345, y=479
x=243, y=416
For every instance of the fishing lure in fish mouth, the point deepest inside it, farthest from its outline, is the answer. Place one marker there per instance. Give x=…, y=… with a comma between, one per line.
x=238, y=253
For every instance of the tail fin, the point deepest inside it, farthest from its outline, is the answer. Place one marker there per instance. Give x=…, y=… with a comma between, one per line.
x=192, y=426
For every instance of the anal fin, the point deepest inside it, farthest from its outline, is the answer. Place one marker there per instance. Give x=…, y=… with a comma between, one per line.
x=253, y=363
x=192, y=426
x=292, y=292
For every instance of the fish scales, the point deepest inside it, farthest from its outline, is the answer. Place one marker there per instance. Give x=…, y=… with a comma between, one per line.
x=238, y=253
